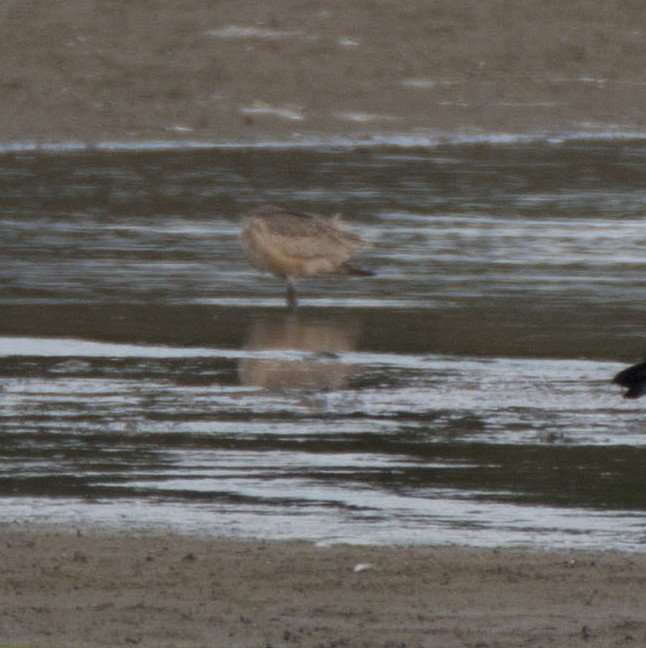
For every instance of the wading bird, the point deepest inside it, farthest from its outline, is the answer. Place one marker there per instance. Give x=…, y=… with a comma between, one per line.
x=291, y=244
x=634, y=379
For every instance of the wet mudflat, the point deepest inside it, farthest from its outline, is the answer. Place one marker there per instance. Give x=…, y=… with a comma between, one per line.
x=151, y=377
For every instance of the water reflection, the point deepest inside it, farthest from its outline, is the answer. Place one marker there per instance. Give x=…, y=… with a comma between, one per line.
x=318, y=368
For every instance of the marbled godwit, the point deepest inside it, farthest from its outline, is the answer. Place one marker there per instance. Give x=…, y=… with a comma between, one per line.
x=634, y=379
x=292, y=244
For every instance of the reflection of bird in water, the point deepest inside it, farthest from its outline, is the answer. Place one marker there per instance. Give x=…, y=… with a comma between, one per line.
x=634, y=379
x=317, y=367
x=292, y=244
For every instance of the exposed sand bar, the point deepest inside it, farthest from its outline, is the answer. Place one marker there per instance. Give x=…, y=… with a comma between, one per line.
x=91, y=70
x=61, y=588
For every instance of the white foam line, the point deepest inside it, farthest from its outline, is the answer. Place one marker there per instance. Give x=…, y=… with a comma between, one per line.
x=401, y=140
x=321, y=302
x=64, y=347
x=77, y=348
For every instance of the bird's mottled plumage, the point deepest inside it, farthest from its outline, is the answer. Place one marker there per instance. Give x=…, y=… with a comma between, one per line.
x=634, y=379
x=291, y=244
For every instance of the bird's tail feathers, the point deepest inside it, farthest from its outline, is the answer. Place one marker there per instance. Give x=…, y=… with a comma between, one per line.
x=357, y=270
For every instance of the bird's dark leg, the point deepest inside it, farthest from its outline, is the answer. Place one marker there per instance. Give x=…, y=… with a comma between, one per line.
x=292, y=301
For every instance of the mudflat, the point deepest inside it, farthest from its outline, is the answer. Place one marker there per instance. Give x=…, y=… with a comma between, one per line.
x=68, y=588
x=88, y=70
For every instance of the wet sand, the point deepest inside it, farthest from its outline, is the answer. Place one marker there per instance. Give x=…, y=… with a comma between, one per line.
x=86, y=70
x=62, y=588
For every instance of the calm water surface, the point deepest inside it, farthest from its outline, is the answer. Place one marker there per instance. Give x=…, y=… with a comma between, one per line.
x=150, y=377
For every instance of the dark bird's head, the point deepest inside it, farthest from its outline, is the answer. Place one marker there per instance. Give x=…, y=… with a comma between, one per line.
x=633, y=379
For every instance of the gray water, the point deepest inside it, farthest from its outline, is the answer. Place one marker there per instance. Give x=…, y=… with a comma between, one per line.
x=150, y=377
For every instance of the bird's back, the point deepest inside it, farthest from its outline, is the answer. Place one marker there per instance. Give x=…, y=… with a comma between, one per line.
x=291, y=243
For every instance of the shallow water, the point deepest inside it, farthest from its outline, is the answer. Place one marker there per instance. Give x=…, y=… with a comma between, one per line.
x=150, y=377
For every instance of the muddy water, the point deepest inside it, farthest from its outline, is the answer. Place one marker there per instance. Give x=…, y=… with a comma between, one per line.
x=150, y=377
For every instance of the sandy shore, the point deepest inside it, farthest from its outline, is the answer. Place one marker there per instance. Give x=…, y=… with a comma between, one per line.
x=88, y=70
x=61, y=588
